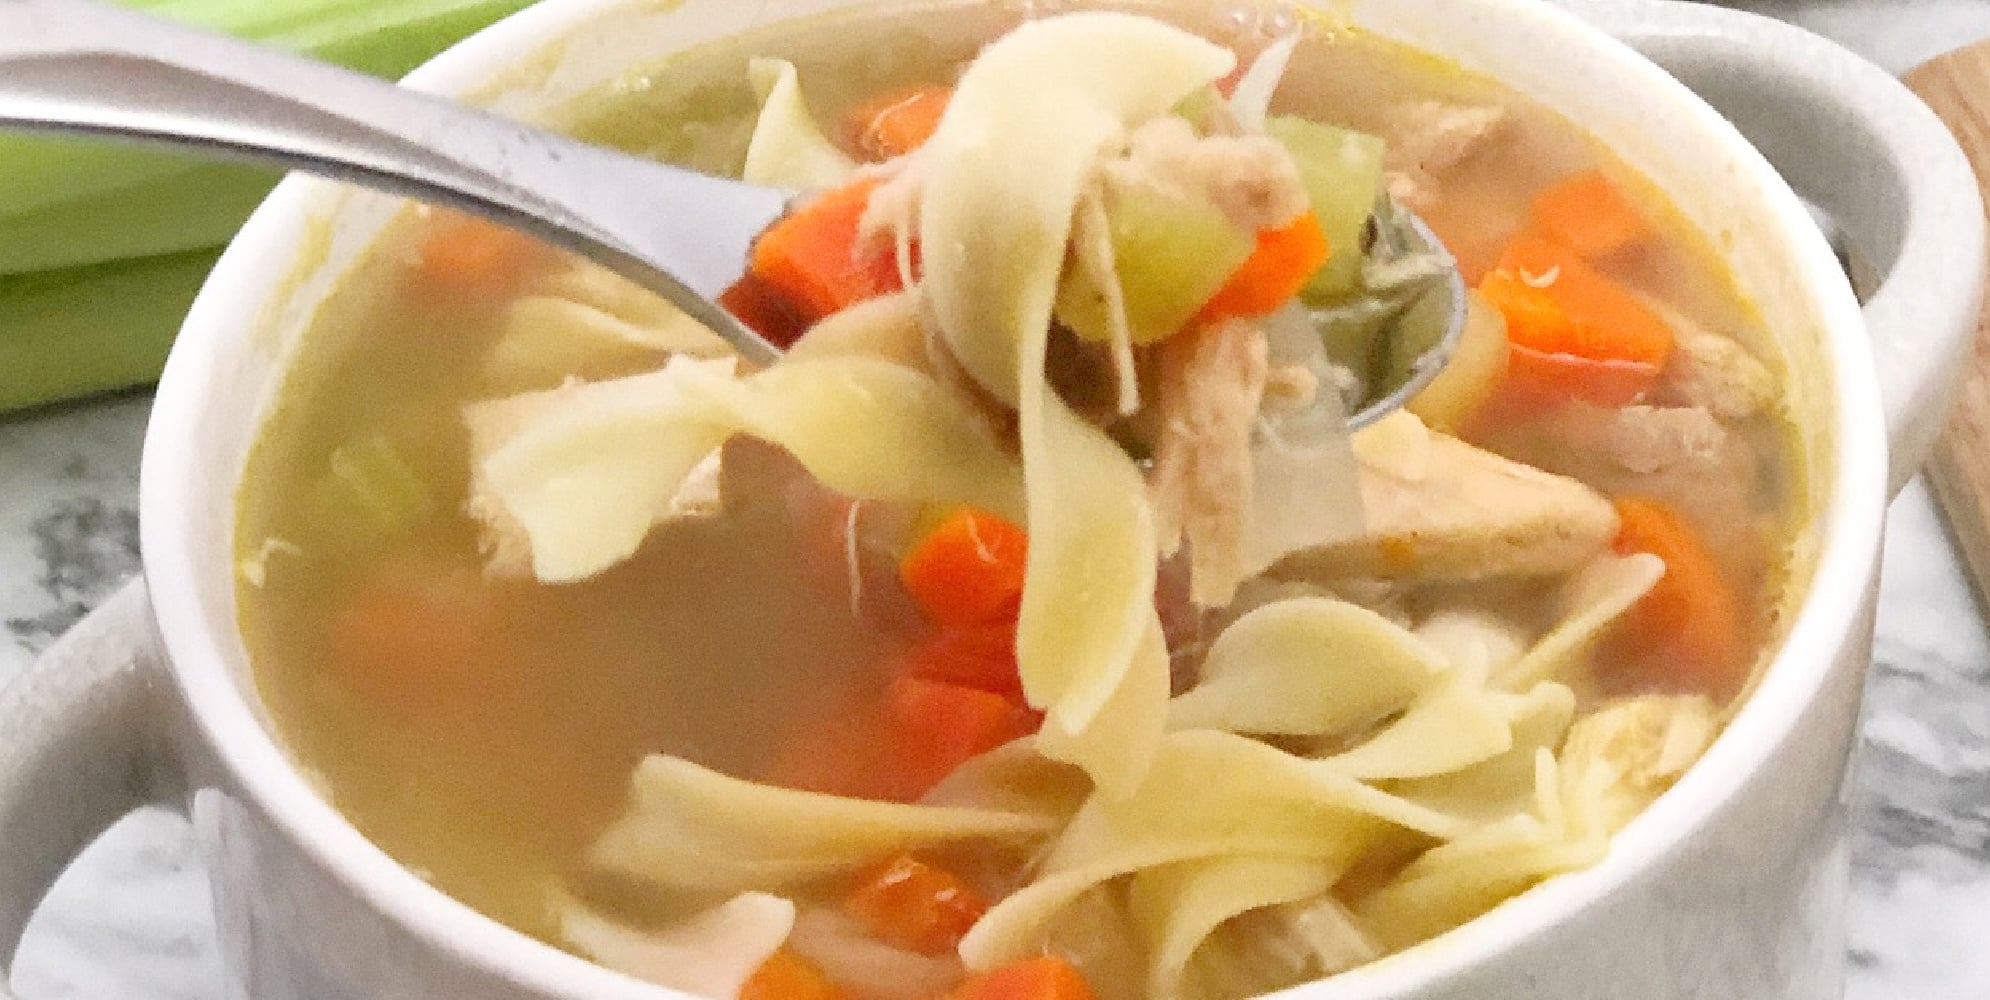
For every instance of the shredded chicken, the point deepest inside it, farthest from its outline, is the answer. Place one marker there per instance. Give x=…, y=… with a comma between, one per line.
x=1647, y=439
x=1714, y=371
x=1251, y=178
x=1441, y=509
x=1430, y=137
x=1211, y=382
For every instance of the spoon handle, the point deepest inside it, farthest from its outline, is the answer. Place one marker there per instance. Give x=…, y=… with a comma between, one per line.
x=82, y=67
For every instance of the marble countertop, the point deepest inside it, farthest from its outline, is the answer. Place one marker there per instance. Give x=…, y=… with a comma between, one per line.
x=129, y=920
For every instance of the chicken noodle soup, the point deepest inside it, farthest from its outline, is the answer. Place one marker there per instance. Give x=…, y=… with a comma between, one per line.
x=1035, y=627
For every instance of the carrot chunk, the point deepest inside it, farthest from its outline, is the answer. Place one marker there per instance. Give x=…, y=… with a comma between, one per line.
x=1284, y=259
x=968, y=570
x=462, y=254
x=1692, y=617
x=915, y=905
x=418, y=636
x=976, y=656
x=811, y=257
x=1574, y=333
x=896, y=122
x=1046, y=978
x=936, y=727
x=1586, y=213
x=763, y=310
x=788, y=976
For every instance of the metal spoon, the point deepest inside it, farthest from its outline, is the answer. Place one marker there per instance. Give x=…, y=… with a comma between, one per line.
x=81, y=67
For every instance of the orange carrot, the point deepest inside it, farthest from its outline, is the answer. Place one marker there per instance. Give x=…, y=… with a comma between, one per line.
x=915, y=905
x=788, y=976
x=812, y=259
x=419, y=635
x=936, y=727
x=976, y=656
x=1045, y=978
x=1586, y=213
x=967, y=571
x=896, y=122
x=1692, y=616
x=755, y=303
x=844, y=753
x=1284, y=259
x=462, y=254
x=1574, y=333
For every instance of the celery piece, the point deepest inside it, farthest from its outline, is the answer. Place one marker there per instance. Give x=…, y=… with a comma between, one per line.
x=91, y=329
x=1342, y=171
x=369, y=492
x=1171, y=254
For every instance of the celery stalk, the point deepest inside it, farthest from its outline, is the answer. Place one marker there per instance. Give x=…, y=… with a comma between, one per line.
x=103, y=245
x=195, y=209
x=91, y=329
x=1171, y=255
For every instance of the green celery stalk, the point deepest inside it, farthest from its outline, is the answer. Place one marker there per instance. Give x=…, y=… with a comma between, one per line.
x=92, y=329
x=103, y=245
x=1342, y=172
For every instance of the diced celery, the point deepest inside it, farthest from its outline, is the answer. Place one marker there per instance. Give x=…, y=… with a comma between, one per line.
x=90, y=329
x=370, y=493
x=1171, y=254
x=1342, y=171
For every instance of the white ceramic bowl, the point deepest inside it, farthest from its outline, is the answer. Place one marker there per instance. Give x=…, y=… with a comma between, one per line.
x=1731, y=886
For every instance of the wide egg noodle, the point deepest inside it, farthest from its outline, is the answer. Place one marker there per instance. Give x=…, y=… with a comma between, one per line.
x=1178, y=906
x=587, y=479
x=999, y=182
x=788, y=148
x=1208, y=794
x=1306, y=666
x=1504, y=784
x=711, y=954
x=1454, y=882
x=693, y=829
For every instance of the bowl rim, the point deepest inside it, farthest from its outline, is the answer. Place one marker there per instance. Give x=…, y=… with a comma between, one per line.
x=1847, y=526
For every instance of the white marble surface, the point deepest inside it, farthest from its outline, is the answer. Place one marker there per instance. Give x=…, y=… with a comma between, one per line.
x=129, y=921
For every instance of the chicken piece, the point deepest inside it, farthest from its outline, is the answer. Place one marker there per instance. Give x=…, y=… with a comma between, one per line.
x=1648, y=439
x=493, y=423
x=1429, y=137
x=1250, y=178
x=1632, y=750
x=1211, y=382
x=1715, y=372
x=1440, y=509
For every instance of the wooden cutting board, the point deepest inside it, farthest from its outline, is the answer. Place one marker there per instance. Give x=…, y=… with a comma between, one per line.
x=1957, y=86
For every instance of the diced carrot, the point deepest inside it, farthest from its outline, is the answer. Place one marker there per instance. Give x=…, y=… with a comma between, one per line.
x=811, y=257
x=419, y=635
x=846, y=753
x=1692, y=616
x=1574, y=333
x=462, y=254
x=915, y=905
x=788, y=976
x=967, y=571
x=1285, y=258
x=1586, y=213
x=896, y=122
x=936, y=727
x=976, y=656
x=757, y=304
x=1045, y=978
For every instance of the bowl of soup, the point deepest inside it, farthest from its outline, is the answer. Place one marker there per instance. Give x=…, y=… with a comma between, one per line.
x=1038, y=626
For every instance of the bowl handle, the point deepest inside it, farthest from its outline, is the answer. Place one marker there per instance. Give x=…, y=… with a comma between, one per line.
x=84, y=740
x=1866, y=151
